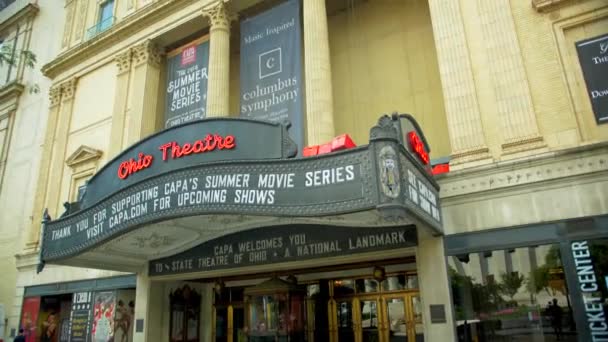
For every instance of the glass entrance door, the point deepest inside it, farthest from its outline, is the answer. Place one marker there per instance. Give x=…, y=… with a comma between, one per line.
x=229, y=323
x=403, y=318
x=395, y=317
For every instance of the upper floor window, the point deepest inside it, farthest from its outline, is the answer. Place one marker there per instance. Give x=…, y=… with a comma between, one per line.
x=105, y=19
x=106, y=15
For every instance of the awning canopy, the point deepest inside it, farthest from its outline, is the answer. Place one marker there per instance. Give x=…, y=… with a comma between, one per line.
x=188, y=185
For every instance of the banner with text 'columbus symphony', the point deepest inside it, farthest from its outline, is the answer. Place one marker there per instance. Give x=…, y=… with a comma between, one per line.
x=271, y=67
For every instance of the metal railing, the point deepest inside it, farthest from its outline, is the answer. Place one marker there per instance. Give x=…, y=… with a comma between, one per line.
x=99, y=27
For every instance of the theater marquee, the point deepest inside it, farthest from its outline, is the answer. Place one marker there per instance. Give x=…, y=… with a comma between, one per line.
x=245, y=167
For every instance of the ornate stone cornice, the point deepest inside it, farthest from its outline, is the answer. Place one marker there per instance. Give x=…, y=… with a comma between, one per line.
x=146, y=52
x=68, y=89
x=123, y=61
x=547, y=167
x=547, y=5
x=28, y=10
x=54, y=95
x=11, y=90
x=219, y=16
x=121, y=31
x=9, y=98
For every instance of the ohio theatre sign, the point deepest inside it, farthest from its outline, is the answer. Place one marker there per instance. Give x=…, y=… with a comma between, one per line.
x=241, y=166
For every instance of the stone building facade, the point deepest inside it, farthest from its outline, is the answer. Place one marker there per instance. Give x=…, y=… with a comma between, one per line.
x=497, y=87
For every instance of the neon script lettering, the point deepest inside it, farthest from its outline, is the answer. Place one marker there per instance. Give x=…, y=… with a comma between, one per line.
x=173, y=150
x=132, y=166
x=418, y=147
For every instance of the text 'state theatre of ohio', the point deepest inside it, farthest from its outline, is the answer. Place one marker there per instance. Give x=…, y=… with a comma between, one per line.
x=228, y=171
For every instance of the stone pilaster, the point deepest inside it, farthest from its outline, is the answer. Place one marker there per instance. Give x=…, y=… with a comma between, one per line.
x=143, y=117
x=148, y=301
x=434, y=286
x=70, y=10
x=513, y=100
x=219, y=59
x=123, y=65
x=61, y=98
x=317, y=66
x=460, y=96
x=81, y=17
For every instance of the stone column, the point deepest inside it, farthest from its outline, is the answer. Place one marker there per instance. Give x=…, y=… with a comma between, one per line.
x=53, y=200
x=123, y=63
x=434, y=286
x=219, y=60
x=31, y=241
x=317, y=66
x=143, y=118
x=148, y=307
x=207, y=299
x=458, y=85
x=514, y=102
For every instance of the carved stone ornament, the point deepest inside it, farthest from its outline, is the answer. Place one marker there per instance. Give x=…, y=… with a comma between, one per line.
x=219, y=16
x=82, y=155
x=123, y=61
x=55, y=95
x=389, y=171
x=385, y=129
x=547, y=5
x=68, y=89
x=146, y=52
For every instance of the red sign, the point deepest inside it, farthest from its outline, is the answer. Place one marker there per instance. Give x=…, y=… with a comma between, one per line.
x=341, y=142
x=29, y=318
x=418, y=147
x=174, y=150
x=189, y=55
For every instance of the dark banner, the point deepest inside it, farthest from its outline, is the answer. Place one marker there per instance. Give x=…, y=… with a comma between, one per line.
x=80, y=317
x=593, y=56
x=271, y=67
x=199, y=142
x=283, y=244
x=186, y=95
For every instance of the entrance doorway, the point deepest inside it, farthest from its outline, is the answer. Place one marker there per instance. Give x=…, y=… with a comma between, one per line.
x=391, y=317
x=229, y=315
x=344, y=310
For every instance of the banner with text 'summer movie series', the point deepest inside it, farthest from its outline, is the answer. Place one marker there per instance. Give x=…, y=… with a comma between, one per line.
x=271, y=67
x=186, y=87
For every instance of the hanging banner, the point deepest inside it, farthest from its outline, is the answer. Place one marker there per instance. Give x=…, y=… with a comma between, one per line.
x=29, y=318
x=186, y=88
x=593, y=56
x=271, y=68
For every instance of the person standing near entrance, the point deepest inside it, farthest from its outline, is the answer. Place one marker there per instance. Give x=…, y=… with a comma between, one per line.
x=20, y=337
x=556, y=313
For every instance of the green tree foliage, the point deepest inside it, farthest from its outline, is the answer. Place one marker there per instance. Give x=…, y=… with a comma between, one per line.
x=539, y=278
x=510, y=283
x=9, y=56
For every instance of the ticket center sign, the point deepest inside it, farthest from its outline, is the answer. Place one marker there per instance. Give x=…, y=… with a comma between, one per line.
x=243, y=167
